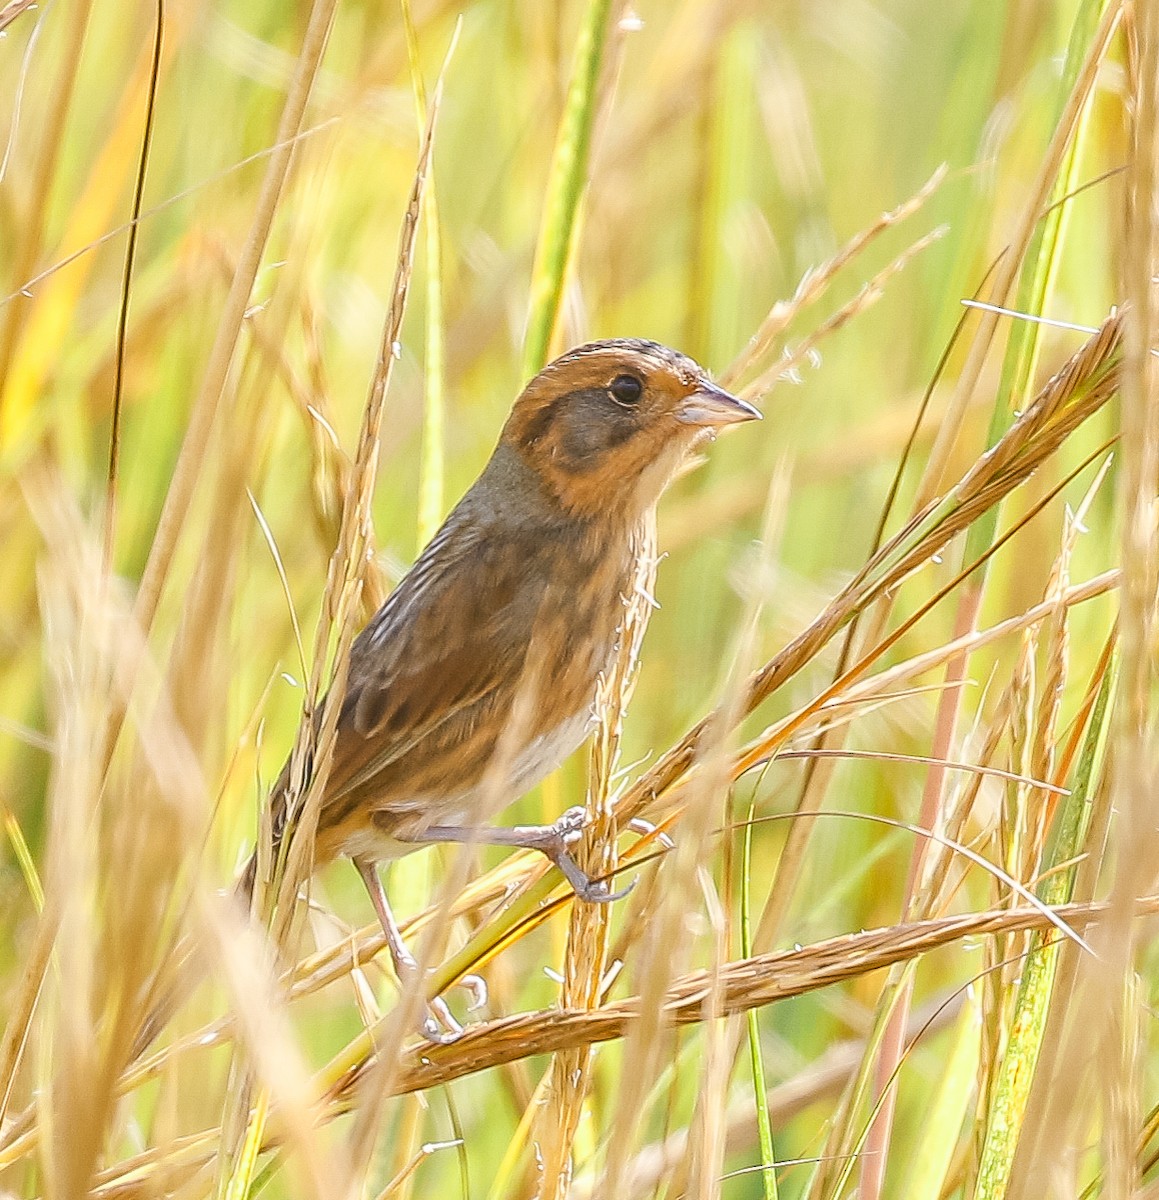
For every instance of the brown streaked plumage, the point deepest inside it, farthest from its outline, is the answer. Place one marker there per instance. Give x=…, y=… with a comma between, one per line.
x=518, y=597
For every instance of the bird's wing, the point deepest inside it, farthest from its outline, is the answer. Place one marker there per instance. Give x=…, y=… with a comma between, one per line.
x=453, y=633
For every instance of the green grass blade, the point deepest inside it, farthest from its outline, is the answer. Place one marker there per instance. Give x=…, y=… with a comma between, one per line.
x=721, y=280
x=432, y=468
x=1030, y=1016
x=565, y=187
x=241, y=1178
x=934, y=1155
x=1040, y=268
x=24, y=858
x=756, y=1057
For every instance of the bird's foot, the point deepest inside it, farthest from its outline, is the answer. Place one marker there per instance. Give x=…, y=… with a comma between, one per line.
x=550, y=840
x=556, y=840
x=438, y=1023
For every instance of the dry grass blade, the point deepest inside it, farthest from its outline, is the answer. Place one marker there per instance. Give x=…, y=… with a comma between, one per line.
x=932, y=659
x=742, y=985
x=773, y=739
x=13, y=9
x=151, y=813
x=745, y=984
x=1079, y=389
x=586, y=957
x=341, y=605
x=867, y=295
x=348, y=562
x=1010, y=265
x=22, y=1009
x=193, y=449
x=815, y=282
x=819, y=1080
x=1107, y=999
x=103, y=941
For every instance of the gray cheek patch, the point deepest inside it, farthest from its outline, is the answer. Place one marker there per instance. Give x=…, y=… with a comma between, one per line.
x=590, y=422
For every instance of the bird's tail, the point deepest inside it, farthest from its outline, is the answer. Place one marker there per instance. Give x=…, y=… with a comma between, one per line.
x=174, y=983
x=176, y=980
x=244, y=889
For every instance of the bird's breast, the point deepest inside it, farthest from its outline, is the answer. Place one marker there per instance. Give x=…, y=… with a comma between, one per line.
x=545, y=752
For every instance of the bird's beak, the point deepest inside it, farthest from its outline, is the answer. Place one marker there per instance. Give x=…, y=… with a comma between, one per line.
x=712, y=406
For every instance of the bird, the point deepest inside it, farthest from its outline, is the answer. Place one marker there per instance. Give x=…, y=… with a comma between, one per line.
x=505, y=623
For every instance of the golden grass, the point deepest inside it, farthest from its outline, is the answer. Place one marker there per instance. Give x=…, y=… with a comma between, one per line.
x=890, y=635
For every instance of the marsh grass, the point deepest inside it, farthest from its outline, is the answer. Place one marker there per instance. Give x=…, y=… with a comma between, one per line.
x=891, y=729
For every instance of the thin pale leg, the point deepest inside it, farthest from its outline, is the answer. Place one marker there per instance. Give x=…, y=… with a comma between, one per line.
x=550, y=840
x=405, y=965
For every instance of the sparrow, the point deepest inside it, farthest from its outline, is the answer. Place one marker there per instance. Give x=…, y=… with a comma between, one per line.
x=477, y=676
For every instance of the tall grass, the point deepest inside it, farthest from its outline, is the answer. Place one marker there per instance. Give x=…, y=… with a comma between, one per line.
x=890, y=731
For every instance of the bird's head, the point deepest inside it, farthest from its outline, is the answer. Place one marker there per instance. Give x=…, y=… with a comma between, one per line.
x=605, y=426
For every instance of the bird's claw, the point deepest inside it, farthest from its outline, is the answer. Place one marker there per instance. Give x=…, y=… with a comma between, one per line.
x=647, y=829
x=567, y=830
x=477, y=986
x=438, y=1023
x=442, y=1031
x=595, y=891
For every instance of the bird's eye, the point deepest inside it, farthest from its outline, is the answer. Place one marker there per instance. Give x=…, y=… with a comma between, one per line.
x=626, y=389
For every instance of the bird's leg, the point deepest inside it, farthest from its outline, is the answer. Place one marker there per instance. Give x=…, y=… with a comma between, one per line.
x=550, y=840
x=439, y=1025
